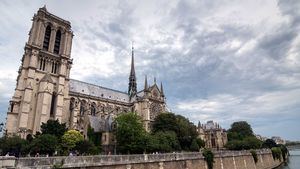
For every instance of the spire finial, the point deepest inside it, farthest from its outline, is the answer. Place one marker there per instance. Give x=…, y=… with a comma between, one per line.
x=161, y=89
x=132, y=88
x=146, y=84
x=154, y=80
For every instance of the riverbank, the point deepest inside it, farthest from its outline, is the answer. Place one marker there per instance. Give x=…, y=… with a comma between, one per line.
x=223, y=160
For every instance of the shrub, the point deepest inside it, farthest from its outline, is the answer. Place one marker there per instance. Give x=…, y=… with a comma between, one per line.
x=209, y=158
x=254, y=155
x=284, y=151
x=276, y=153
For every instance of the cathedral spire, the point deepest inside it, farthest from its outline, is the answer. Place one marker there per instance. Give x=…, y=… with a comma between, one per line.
x=161, y=89
x=132, y=79
x=146, y=84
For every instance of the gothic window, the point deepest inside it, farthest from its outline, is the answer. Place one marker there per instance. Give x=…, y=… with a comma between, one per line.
x=155, y=109
x=11, y=107
x=57, y=42
x=93, y=109
x=42, y=65
x=53, y=101
x=47, y=38
x=82, y=107
x=72, y=104
x=54, y=67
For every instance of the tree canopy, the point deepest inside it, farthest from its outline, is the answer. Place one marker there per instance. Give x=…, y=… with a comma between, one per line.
x=53, y=127
x=240, y=130
x=130, y=134
x=241, y=137
x=71, y=138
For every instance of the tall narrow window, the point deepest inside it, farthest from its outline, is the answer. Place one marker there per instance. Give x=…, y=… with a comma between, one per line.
x=57, y=42
x=11, y=107
x=47, y=38
x=82, y=107
x=93, y=109
x=71, y=108
x=53, y=101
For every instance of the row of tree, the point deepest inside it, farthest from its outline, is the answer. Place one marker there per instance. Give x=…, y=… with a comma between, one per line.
x=241, y=137
x=169, y=133
x=53, y=139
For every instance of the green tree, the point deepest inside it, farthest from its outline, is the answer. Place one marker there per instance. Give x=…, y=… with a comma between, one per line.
x=130, y=134
x=241, y=137
x=86, y=147
x=209, y=158
x=167, y=141
x=13, y=145
x=165, y=122
x=71, y=138
x=94, y=137
x=186, y=132
x=240, y=130
x=184, y=129
x=269, y=143
x=194, y=146
x=44, y=144
x=200, y=142
x=54, y=127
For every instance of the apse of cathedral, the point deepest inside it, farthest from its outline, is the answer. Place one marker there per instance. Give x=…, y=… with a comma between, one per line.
x=44, y=89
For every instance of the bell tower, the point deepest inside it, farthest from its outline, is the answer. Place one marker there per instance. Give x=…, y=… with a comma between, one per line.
x=42, y=89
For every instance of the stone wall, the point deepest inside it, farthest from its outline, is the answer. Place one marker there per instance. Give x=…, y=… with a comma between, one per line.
x=223, y=160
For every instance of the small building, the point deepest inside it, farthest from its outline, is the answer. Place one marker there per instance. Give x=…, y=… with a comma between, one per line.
x=212, y=134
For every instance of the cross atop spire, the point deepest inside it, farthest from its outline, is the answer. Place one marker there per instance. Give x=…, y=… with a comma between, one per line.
x=132, y=89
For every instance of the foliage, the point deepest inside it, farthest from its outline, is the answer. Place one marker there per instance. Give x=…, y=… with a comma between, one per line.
x=209, y=158
x=130, y=134
x=185, y=130
x=276, y=153
x=254, y=155
x=86, y=147
x=284, y=151
x=239, y=130
x=245, y=144
x=53, y=127
x=200, y=142
x=241, y=137
x=44, y=144
x=94, y=137
x=13, y=145
x=165, y=122
x=71, y=138
x=269, y=143
x=194, y=146
x=167, y=141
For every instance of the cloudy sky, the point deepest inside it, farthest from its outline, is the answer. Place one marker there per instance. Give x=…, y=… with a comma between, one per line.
x=218, y=60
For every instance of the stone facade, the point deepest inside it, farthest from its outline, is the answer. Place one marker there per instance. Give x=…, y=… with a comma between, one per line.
x=212, y=134
x=45, y=91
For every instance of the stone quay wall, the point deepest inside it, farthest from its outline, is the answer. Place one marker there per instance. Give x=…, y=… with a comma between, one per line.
x=223, y=160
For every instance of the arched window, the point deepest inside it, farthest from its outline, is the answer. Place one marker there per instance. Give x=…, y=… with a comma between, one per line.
x=93, y=109
x=53, y=101
x=47, y=38
x=57, y=42
x=82, y=107
x=72, y=104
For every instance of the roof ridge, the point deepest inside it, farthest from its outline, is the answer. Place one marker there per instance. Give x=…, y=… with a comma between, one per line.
x=100, y=86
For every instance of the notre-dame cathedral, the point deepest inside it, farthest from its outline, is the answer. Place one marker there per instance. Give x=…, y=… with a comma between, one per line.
x=45, y=91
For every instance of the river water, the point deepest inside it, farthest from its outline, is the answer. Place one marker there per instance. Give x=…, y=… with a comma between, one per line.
x=294, y=160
